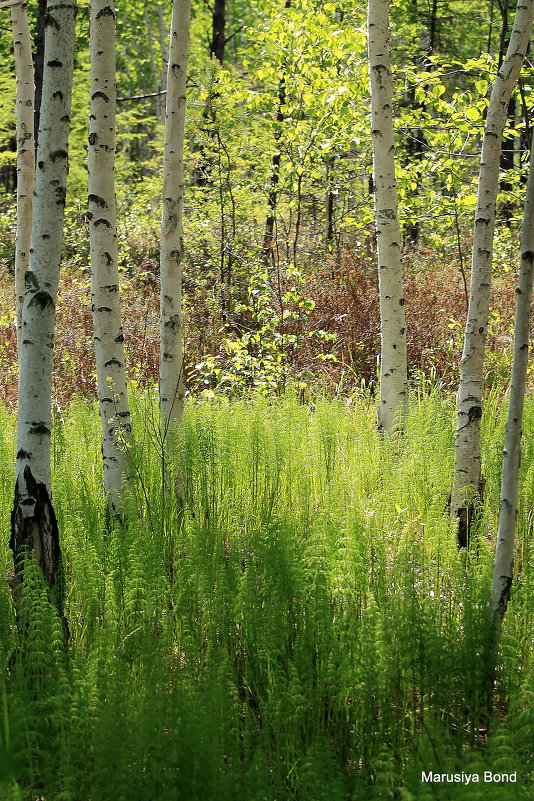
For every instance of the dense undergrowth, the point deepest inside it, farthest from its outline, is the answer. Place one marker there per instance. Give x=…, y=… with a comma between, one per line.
x=308, y=632
x=318, y=326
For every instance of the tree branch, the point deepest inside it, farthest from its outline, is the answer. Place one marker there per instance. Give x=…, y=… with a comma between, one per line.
x=142, y=97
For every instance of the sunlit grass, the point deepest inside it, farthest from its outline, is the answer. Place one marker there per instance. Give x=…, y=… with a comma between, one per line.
x=309, y=632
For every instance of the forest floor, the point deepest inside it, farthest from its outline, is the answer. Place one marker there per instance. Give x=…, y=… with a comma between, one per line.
x=306, y=631
x=344, y=294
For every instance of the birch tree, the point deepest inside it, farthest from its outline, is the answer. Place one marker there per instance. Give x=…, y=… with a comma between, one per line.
x=467, y=482
x=33, y=522
x=393, y=357
x=25, y=150
x=108, y=336
x=171, y=386
x=504, y=557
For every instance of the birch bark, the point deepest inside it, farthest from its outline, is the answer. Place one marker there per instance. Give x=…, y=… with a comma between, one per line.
x=171, y=386
x=504, y=557
x=467, y=482
x=393, y=357
x=33, y=525
x=25, y=150
x=108, y=336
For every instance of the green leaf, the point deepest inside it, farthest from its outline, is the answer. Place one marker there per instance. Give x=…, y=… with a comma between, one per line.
x=473, y=114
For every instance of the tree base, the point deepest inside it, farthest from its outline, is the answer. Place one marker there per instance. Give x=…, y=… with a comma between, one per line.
x=468, y=516
x=34, y=532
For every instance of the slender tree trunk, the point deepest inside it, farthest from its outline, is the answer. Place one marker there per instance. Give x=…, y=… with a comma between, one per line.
x=159, y=98
x=490, y=26
x=270, y=222
x=506, y=210
x=216, y=48
x=432, y=27
x=330, y=206
x=25, y=150
x=272, y=200
x=393, y=360
x=218, y=40
x=467, y=483
x=504, y=7
x=8, y=172
x=33, y=524
x=508, y=145
x=39, y=65
x=164, y=49
x=504, y=557
x=171, y=386
x=525, y=139
x=109, y=340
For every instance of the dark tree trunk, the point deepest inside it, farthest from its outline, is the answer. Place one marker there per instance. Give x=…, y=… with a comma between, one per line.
x=270, y=222
x=503, y=39
x=202, y=172
x=38, y=62
x=34, y=532
x=526, y=132
x=416, y=149
x=507, y=152
x=8, y=172
x=417, y=143
x=507, y=163
x=218, y=40
x=432, y=28
x=329, y=228
x=329, y=234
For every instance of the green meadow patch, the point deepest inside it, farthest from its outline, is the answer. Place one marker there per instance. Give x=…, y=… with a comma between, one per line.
x=302, y=628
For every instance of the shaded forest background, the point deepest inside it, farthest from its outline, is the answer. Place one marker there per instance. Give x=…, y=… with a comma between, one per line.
x=280, y=279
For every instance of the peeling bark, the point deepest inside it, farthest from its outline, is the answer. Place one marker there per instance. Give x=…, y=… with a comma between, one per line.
x=34, y=532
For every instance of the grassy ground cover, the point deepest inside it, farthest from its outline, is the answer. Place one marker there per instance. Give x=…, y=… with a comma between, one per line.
x=307, y=631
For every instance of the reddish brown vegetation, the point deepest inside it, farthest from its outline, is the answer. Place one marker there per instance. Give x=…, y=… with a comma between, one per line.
x=346, y=301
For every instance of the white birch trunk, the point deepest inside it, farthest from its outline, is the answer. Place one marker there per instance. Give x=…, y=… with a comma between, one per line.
x=25, y=151
x=504, y=557
x=108, y=336
x=171, y=386
x=393, y=358
x=467, y=467
x=33, y=521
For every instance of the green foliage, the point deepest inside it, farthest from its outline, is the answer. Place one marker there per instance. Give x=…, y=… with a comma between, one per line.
x=306, y=630
x=282, y=130
x=273, y=323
